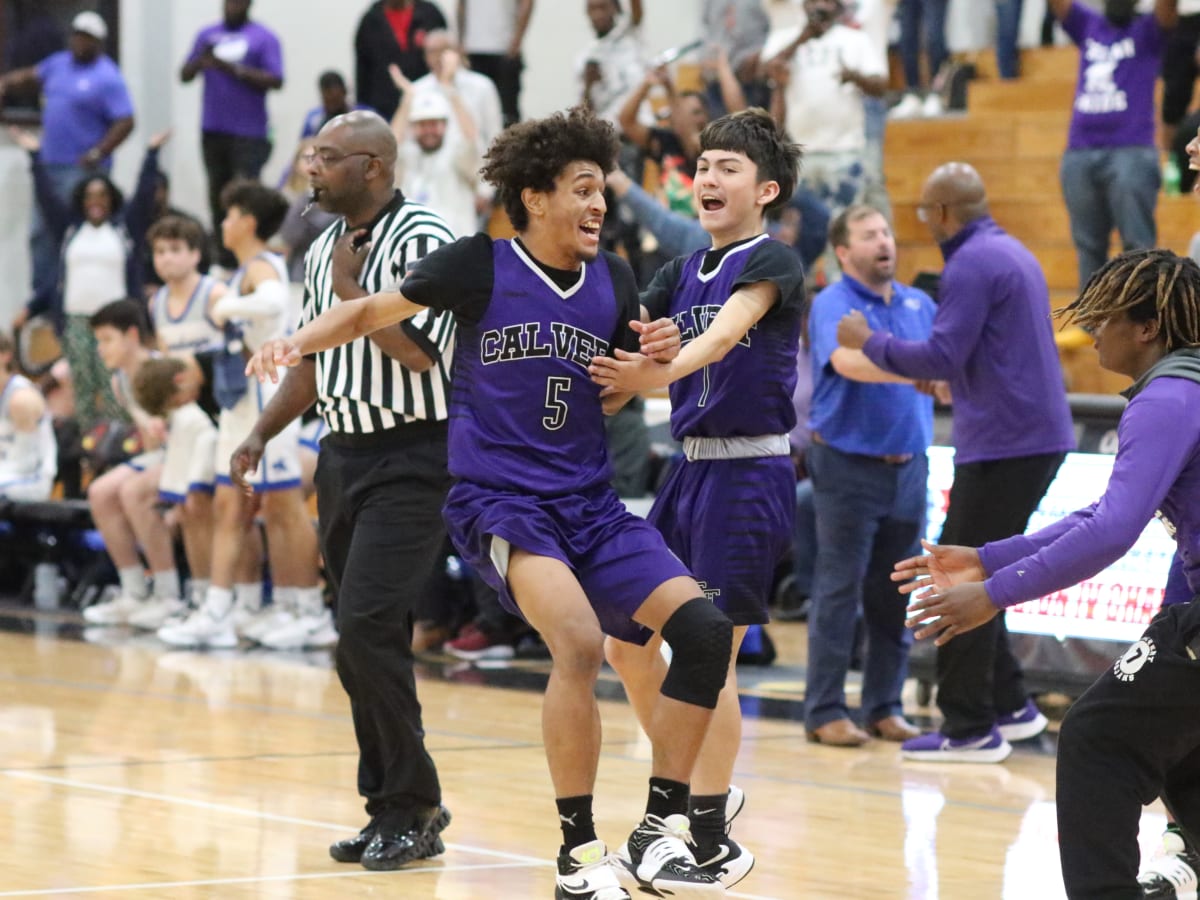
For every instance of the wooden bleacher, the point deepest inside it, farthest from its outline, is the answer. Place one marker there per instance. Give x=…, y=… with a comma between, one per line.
x=1014, y=133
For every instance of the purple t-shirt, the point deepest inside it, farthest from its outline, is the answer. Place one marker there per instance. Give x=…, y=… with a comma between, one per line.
x=993, y=341
x=1156, y=471
x=525, y=415
x=1114, y=97
x=232, y=106
x=82, y=101
x=749, y=392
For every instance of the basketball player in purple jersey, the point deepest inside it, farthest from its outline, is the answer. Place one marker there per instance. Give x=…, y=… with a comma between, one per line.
x=532, y=510
x=728, y=510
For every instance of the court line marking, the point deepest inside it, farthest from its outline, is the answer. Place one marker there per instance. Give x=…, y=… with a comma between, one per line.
x=257, y=879
x=248, y=813
x=515, y=860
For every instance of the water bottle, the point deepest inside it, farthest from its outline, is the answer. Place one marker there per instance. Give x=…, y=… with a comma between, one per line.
x=1170, y=176
x=47, y=587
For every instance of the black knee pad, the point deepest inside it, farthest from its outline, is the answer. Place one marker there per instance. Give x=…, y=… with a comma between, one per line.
x=701, y=639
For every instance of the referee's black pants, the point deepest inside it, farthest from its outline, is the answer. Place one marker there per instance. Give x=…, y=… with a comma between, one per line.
x=380, y=511
x=978, y=677
x=1133, y=736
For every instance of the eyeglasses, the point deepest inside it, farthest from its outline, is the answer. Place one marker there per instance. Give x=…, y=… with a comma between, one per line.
x=923, y=210
x=324, y=158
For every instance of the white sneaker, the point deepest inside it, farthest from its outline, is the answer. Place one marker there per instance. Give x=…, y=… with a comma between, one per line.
x=585, y=873
x=156, y=612
x=659, y=861
x=734, y=801
x=113, y=612
x=200, y=629
x=302, y=632
x=932, y=107
x=1171, y=876
x=909, y=107
x=269, y=618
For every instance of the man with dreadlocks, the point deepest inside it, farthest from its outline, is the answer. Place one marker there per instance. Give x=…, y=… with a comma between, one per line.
x=1135, y=734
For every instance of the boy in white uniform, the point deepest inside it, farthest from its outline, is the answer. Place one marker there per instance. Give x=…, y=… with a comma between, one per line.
x=252, y=311
x=28, y=450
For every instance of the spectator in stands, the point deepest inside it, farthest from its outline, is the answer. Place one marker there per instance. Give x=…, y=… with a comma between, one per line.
x=28, y=451
x=492, y=34
x=821, y=78
x=100, y=235
x=1110, y=171
x=913, y=15
x=391, y=32
x=124, y=500
x=448, y=75
x=1180, y=69
x=437, y=166
x=304, y=220
x=615, y=63
x=874, y=19
x=1008, y=36
x=86, y=115
x=740, y=28
x=993, y=343
x=869, y=432
x=240, y=62
x=674, y=149
x=335, y=100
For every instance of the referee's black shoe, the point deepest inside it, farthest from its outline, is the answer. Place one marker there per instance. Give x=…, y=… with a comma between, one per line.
x=351, y=849
x=394, y=845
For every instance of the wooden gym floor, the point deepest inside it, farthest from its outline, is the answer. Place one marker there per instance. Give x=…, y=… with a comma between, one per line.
x=128, y=770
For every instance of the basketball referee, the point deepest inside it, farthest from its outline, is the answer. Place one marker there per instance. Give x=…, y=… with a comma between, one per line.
x=381, y=474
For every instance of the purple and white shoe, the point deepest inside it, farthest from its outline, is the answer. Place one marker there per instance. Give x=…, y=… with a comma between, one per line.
x=936, y=747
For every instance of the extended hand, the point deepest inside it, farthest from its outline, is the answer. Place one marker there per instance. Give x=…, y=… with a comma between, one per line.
x=950, y=613
x=157, y=140
x=25, y=139
x=853, y=330
x=659, y=340
x=627, y=372
x=943, y=567
x=270, y=356
x=244, y=460
x=398, y=78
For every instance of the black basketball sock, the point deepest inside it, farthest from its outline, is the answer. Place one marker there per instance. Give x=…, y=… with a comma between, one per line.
x=667, y=798
x=575, y=819
x=707, y=815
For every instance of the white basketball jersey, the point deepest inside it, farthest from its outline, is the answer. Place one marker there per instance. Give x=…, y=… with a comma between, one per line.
x=256, y=332
x=192, y=331
x=25, y=456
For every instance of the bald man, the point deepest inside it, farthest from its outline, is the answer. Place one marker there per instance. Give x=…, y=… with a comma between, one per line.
x=381, y=478
x=992, y=342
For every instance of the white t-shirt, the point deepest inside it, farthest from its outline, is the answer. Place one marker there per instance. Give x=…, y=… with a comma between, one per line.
x=444, y=180
x=824, y=114
x=28, y=459
x=95, y=269
x=622, y=60
x=489, y=25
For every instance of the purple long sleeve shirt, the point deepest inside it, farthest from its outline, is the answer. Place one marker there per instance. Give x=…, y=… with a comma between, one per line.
x=1156, y=472
x=992, y=341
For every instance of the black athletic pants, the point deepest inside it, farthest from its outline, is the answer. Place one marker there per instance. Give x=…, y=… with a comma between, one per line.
x=505, y=73
x=977, y=674
x=1133, y=736
x=380, y=512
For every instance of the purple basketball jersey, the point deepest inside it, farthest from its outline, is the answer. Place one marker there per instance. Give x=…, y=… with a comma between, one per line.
x=749, y=392
x=525, y=416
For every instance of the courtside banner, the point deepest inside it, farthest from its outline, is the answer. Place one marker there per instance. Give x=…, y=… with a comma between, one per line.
x=1115, y=604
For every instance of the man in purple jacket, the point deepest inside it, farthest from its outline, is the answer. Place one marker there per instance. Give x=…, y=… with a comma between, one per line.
x=1134, y=735
x=992, y=341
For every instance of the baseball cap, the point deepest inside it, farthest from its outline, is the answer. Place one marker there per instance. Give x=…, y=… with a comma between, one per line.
x=429, y=105
x=90, y=23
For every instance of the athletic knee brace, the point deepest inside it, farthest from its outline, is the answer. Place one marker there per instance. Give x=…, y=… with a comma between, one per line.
x=701, y=639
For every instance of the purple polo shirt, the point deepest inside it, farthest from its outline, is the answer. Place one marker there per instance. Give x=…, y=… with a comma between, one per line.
x=82, y=100
x=1114, y=96
x=992, y=341
x=232, y=106
x=1156, y=472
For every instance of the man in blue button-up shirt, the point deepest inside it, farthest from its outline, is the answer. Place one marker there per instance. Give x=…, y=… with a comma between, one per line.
x=870, y=430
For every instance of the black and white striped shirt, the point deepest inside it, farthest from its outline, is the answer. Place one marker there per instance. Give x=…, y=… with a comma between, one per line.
x=360, y=390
